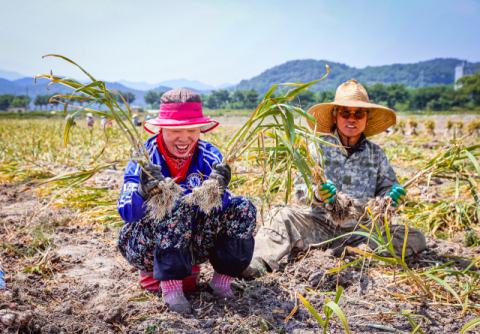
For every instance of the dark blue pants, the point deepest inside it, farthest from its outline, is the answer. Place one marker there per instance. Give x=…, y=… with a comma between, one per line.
x=170, y=247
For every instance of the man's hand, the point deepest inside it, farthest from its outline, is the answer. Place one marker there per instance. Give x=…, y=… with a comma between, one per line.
x=325, y=192
x=222, y=173
x=397, y=194
x=147, y=184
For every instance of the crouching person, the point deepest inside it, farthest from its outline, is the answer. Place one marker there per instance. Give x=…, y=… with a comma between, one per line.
x=168, y=252
x=359, y=169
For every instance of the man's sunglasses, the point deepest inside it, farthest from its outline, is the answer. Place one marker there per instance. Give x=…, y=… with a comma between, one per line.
x=358, y=114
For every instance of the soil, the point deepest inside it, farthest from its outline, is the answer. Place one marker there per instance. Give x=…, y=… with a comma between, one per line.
x=83, y=285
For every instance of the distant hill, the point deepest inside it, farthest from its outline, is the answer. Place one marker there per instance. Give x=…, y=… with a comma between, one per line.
x=178, y=83
x=10, y=75
x=435, y=72
x=27, y=85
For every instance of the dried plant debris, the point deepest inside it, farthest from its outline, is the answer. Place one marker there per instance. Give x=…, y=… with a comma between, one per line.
x=208, y=196
x=381, y=209
x=343, y=208
x=161, y=204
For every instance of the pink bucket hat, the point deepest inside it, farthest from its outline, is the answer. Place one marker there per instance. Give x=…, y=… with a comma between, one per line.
x=180, y=109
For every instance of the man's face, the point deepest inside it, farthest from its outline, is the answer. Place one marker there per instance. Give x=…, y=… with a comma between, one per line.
x=180, y=141
x=351, y=126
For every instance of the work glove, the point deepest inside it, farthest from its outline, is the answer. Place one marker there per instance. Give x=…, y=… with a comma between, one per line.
x=325, y=192
x=397, y=193
x=147, y=184
x=222, y=173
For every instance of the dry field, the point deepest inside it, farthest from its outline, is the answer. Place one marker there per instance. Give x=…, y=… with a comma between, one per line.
x=65, y=274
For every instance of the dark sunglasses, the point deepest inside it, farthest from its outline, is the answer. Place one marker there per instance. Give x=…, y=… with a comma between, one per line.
x=358, y=114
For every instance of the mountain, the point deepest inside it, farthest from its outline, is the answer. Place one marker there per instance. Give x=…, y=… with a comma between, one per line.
x=181, y=83
x=225, y=86
x=435, y=72
x=10, y=75
x=28, y=86
x=138, y=85
x=177, y=83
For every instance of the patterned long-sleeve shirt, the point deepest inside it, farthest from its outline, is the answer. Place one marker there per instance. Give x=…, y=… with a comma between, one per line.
x=364, y=174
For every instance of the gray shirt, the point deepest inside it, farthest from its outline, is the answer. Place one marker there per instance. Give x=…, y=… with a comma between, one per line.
x=364, y=174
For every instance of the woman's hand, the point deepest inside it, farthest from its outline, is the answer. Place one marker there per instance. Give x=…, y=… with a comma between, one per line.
x=147, y=185
x=222, y=173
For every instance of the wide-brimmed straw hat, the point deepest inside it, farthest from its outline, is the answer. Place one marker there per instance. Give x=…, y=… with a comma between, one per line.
x=180, y=109
x=352, y=94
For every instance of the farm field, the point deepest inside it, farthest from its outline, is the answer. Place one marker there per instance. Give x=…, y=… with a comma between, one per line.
x=66, y=274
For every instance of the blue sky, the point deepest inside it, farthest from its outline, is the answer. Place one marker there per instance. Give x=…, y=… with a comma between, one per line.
x=226, y=41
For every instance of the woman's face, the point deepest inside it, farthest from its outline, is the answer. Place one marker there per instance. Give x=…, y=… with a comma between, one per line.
x=180, y=141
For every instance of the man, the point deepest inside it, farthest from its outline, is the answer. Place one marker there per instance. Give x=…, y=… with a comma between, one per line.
x=359, y=169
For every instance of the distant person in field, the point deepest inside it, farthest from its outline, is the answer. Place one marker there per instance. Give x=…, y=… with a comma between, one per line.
x=360, y=169
x=90, y=120
x=136, y=120
x=168, y=252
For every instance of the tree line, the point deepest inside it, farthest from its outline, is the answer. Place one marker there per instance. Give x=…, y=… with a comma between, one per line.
x=395, y=96
x=10, y=100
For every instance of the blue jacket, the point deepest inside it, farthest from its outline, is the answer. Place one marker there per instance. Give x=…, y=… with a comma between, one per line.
x=131, y=205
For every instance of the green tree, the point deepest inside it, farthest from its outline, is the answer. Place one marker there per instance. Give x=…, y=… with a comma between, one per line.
x=397, y=93
x=128, y=96
x=20, y=101
x=251, y=98
x=38, y=102
x=212, y=102
x=325, y=96
x=5, y=101
x=471, y=86
x=239, y=96
x=152, y=97
x=305, y=99
x=421, y=96
x=377, y=93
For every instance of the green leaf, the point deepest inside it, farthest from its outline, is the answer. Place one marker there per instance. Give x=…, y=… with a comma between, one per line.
x=445, y=285
x=335, y=308
x=311, y=309
x=143, y=299
x=334, y=270
x=472, y=324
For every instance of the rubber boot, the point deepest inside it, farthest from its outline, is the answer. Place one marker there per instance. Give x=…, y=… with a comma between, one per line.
x=189, y=283
x=255, y=269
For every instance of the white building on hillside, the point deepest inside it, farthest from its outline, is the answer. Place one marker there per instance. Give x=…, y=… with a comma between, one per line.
x=464, y=69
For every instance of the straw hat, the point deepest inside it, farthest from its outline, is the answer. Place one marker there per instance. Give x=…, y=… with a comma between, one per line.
x=180, y=109
x=89, y=114
x=352, y=94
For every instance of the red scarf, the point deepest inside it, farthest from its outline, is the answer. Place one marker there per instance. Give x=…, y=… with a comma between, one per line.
x=178, y=166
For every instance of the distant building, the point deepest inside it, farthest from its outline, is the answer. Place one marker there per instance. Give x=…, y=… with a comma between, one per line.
x=464, y=69
x=18, y=109
x=135, y=109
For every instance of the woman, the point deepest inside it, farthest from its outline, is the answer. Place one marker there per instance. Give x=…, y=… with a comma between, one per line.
x=170, y=250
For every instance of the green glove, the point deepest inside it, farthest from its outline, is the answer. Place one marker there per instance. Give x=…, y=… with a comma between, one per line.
x=325, y=192
x=397, y=193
